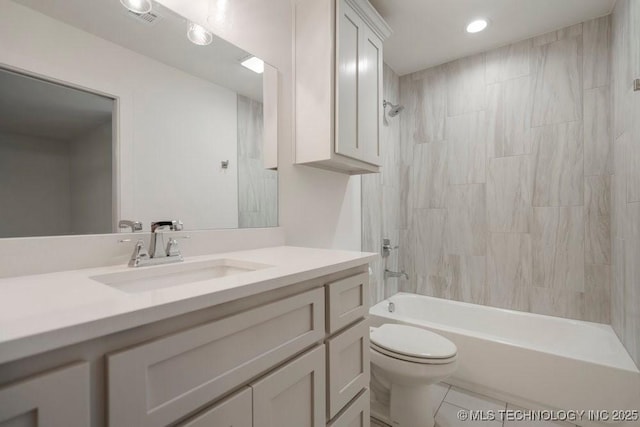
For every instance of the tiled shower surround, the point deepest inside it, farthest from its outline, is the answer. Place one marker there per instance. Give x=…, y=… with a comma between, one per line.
x=381, y=207
x=504, y=182
x=625, y=181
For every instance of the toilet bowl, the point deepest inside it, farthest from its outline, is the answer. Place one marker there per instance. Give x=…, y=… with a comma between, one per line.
x=406, y=361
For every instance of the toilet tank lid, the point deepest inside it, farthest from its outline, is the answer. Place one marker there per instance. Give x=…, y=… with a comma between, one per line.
x=412, y=341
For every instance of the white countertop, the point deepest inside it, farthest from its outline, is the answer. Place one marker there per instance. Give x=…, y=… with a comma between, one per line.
x=47, y=311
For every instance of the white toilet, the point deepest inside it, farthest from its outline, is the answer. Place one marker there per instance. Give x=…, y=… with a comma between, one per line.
x=405, y=362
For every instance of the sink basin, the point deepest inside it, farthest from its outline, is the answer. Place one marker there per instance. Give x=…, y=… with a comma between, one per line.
x=145, y=279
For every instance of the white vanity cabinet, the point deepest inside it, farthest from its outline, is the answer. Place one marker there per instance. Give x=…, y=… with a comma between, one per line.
x=157, y=383
x=58, y=398
x=338, y=84
x=295, y=356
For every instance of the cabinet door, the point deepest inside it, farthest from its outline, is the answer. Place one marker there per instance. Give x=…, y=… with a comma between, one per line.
x=349, y=35
x=370, y=109
x=235, y=411
x=348, y=366
x=348, y=301
x=55, y=399
x=356, y=414
x=294, y=395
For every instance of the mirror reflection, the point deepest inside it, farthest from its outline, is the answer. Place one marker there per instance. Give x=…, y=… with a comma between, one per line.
x=108, y=114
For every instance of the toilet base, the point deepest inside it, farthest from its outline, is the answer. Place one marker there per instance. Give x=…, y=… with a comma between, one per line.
x=410, y=406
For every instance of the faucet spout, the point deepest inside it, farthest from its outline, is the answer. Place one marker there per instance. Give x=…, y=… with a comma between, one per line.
x=156, y=228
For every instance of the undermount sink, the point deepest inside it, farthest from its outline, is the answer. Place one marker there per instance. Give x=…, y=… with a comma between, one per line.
x=145, y=279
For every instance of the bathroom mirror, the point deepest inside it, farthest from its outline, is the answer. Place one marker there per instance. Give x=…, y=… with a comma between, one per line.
x=108, y=114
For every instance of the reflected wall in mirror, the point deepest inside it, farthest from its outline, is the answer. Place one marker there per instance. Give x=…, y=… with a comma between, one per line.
x=108, y=115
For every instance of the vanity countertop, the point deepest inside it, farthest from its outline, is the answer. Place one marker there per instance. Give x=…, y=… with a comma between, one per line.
x=47, y=311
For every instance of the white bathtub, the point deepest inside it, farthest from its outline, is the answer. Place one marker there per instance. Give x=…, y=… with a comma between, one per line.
x=528, y=359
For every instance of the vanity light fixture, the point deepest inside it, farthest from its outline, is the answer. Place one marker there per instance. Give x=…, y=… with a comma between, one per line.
x=197, y=34
x=137, y=6
x=253, y=63
x=477, y=26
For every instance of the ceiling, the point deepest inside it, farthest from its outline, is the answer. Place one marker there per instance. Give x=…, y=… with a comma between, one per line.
x=164, y=40
x=37, y=108
x=431, y=32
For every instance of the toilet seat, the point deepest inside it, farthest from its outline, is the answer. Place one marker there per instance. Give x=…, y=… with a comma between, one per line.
x=412, y=344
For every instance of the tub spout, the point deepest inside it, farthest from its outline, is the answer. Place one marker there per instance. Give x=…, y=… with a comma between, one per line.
x=394, y=274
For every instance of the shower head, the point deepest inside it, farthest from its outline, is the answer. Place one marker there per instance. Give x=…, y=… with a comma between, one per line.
x=395, y=109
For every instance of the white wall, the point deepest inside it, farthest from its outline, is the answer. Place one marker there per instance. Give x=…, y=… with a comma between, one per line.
x=91, y=181
x=166, y=119
x=34, y=189
x=317, y=208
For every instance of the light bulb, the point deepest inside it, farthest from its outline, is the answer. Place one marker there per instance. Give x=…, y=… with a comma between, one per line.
x=197, y=34
x=137, y=6
x=477, y=26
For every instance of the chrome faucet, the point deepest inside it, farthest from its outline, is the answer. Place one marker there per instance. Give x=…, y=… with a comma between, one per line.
x=141, y=257
x=156, y=228
x=393, y=274
x=133, y=225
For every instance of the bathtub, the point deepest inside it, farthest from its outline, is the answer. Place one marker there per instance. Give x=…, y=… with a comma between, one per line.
x=530, y=360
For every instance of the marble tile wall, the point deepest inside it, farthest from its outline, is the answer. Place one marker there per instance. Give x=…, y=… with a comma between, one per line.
x=257, y=186
x=625, y=179
x=381, y=197
x=505, y=165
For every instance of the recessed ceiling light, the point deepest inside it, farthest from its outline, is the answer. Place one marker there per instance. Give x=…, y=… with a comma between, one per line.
x=137, y=6
x=254, y=64
x=197, y=34
x=477, y=26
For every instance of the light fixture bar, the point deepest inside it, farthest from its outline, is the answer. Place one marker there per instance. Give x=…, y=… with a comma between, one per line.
x=199, y=35
x=137, y=6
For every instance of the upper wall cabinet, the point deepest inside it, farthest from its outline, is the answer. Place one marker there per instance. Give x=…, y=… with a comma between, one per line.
x=338, y=84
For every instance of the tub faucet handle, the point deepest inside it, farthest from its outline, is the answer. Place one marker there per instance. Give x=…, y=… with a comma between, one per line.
x=387, y=247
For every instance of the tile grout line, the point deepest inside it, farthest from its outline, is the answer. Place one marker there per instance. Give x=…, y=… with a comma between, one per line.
x=442, y=401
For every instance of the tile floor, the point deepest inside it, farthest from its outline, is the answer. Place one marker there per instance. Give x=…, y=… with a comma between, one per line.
x=448, y=400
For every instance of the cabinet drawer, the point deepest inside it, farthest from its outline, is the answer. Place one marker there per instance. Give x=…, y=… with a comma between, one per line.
x=357, y=414
x=235, y=411
x=157, y=383
x=58, y=398
x=348, y=355
x=293, y=395
x=348, y=301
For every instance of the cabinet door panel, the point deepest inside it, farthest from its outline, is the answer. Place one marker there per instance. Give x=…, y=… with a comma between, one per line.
x=294, y=395
x=159, y=382
x=349, y=38
x=357, y=414
x=235, y=411
x=370, y=108
x=55, y=399
x=348, y=301
x=349, y=369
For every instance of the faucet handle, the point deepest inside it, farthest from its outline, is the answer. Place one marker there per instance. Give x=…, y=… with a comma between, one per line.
x=173, y=249
x=134, y=225
x=387, y=247
x=174, y=225
x=140, y=254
